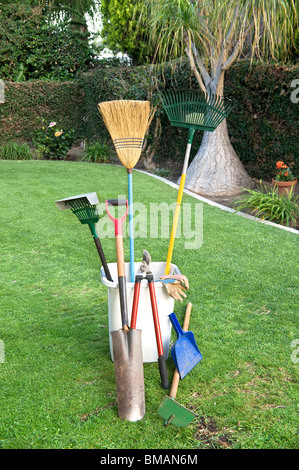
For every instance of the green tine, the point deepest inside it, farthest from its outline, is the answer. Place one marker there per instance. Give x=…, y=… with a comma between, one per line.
x=195, y=109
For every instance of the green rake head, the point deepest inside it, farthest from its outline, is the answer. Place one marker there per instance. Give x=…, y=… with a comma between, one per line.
x=195, y=109
x=83, y=206
x=86, y=214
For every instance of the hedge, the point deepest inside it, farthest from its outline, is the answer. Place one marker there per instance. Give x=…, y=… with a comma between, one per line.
x=263, y=126
x=26, y=102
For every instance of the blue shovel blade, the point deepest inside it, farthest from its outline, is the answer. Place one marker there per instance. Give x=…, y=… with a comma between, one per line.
x=184, y=352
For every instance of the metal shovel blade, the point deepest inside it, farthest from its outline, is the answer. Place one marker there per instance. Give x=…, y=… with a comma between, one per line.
x=184, y=352
x=128, y=366
x=174, y=413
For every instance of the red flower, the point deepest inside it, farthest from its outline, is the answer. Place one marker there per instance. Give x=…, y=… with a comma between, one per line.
x=279, y=165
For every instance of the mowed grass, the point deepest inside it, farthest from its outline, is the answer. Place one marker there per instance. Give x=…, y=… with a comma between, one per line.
x=57, y=382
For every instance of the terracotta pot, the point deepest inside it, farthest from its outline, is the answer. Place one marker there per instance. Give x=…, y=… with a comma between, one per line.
x=284, y=187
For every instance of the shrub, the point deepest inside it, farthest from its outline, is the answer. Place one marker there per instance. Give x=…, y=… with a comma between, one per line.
x=51, y=141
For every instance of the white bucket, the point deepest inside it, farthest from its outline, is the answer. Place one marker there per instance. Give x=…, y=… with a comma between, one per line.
x=145, y=321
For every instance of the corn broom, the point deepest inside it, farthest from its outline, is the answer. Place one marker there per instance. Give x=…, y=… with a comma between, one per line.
x=127, y=122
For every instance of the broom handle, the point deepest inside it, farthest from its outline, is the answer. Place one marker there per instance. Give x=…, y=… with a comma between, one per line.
x=179, y=200
x=131, y=226
x=176, y=375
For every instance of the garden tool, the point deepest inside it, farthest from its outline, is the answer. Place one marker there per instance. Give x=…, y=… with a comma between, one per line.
x=194, y=110
x=127, y=122
x=184, y=352
x=147, y=274
x=84, y=207
x=126, y=342
x=169, y=409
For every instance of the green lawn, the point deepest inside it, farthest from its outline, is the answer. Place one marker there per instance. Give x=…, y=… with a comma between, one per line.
x=57, y=382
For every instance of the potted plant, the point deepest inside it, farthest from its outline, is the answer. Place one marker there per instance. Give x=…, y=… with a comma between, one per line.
x=284, y=180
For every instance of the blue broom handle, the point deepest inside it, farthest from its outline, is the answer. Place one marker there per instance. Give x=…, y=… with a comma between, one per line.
x=176, y=325
x=131, y=226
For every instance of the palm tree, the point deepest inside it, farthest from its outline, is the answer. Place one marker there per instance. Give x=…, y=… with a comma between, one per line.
x=213, y=34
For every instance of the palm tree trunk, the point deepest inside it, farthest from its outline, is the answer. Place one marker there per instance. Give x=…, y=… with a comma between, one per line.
x=216, y=170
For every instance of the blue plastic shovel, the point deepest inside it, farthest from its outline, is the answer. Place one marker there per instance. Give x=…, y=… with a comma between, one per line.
x=184, y=352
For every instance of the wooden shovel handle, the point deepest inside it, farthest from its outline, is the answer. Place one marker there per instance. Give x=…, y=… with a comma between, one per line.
x=176, y=375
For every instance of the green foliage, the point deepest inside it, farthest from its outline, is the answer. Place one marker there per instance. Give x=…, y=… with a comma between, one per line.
x=33, y=48
x=51, y=141
x=28, y=101
x=15, y=151
x=268, y=204
x=103, y=84
x=163, y=172
x=257, y=28
x=283, y=172
x=120, y=31
x=264, y=124
x=96, y=152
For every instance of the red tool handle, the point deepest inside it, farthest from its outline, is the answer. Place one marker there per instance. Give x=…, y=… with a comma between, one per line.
x=156, y=319
x=161, y=358
x=118, y=223
x=135, y=305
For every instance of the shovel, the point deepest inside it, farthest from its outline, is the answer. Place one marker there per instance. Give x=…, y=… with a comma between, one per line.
x=126, y=342
x=184, y=352
x=169, y=409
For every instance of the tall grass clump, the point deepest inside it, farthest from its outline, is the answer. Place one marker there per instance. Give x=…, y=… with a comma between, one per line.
x=15, y=151
x=96, y=152
x=268, y=204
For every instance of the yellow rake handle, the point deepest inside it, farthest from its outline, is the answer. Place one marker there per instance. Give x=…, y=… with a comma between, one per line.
x=179, y=199
x=175, y=223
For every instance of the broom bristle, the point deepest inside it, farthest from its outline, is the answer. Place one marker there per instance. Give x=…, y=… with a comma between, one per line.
x=127, y=122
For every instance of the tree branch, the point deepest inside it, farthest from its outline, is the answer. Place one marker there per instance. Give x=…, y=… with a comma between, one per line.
x=237, y=48
x=206, y=77
x=194, y=69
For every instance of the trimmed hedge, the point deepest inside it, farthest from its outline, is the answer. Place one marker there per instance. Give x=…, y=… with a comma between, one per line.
x=26, y=102
x=263, y=127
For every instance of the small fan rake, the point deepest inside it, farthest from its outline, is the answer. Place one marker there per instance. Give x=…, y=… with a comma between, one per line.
x=196, y=111
x=127, y=122
x=85, y=209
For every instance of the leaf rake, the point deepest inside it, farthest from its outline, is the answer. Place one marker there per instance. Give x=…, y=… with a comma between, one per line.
x=85, y=209
x=194, y=110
